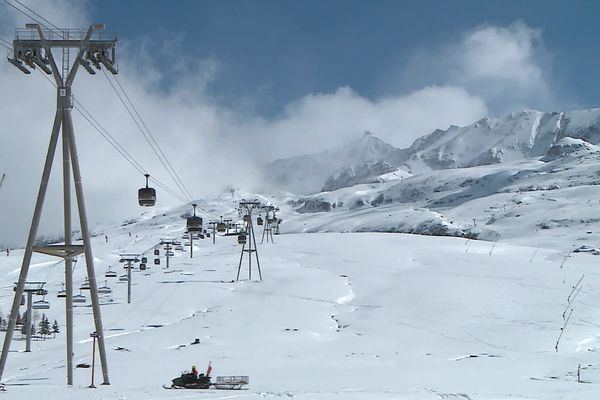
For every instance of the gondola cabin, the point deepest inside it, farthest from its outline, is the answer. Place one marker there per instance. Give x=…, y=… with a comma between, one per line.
x=242, y=238
x=157, y=261
x=147, y=195
x=259, y=221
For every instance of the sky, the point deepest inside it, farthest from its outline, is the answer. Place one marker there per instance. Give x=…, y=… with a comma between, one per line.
x=226, y=86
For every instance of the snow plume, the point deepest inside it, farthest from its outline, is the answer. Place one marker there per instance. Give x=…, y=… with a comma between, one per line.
x=209, y=144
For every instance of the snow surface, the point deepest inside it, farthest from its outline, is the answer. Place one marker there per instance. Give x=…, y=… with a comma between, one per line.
x=337, y=316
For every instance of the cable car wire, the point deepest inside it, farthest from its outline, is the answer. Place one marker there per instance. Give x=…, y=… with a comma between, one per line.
x=89, y=117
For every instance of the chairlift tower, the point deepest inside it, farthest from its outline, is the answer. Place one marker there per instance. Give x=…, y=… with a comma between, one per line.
x=246, y=208
x=270, y=221
x=167, y=243
x=95, y=49
x=31, y=288
x=129, y=258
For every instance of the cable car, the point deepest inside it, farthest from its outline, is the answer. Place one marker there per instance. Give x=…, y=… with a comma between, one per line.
x=79, y=298
x=242, y=238
x=62, y=292
x=40, y=305
x=156, y=252
x=259, y=221
x=110, y=273
x=144, y=260
x=85, y=285
x=147, y=195
x=157, y=261
x=194, y=223
x=142, y=266
x=104, y=289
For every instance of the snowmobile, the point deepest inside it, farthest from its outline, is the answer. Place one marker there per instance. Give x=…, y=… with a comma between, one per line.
x=190, y=381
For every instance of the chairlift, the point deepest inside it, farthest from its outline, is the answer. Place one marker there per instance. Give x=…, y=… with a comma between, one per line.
x=85, y=285
x=79, y=298
x=157, y=261
x=104, y=289
x=142, y=266
x=110, y=273
x=156, y=252
x=62, y=292
x=123, y=278
x=147, y=195
x=242, y=238
x=40, y=305
x=194, y=223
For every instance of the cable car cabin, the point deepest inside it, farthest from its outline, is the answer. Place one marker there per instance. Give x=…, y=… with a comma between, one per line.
x=147, y=195
x=247, y=219
x=194, y=224
x=40, y=305
x=207, y=234
x=242, y=238
x=156, y=252
x=142, y=266
x=110, y=273
x=221, y=227
x=144, y=260
x=157, y=261
x=201, y=236
x=259, y=221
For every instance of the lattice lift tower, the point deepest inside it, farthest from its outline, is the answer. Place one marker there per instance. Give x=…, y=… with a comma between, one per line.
x=246, y=208
x=95, y=49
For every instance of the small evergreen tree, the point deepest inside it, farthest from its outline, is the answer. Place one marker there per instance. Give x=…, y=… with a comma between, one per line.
x=20, y=318
x=44, y=327
x=55, y=328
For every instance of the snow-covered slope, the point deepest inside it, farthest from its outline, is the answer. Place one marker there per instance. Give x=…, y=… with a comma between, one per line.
x=337, y=316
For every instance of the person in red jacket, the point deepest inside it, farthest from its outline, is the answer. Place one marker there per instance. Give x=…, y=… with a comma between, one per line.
x=194, y=371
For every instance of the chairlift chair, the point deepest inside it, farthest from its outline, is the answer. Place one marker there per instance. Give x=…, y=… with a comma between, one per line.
x=110, y=273
x=79, y=298
x=62, y=292
x=85, y=285
x=123, y=278
x=40, y=305
x=147, y=195
x=104, y=289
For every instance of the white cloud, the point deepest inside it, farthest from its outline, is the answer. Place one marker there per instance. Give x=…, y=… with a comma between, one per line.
x=502, y=53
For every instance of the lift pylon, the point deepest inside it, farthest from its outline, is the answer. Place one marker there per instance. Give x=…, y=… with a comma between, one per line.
x=32, y=48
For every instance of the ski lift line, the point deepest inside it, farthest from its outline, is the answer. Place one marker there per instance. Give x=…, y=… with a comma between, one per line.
x=150, y=134
x=575, y=287
x=37, y=14
x=571, y=302
x=154, y=147
x=131, y=160
x=115, y=143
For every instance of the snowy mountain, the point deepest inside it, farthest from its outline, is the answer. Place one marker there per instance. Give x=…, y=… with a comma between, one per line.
x=495, y=140
x=328, y=169
x=488, y=141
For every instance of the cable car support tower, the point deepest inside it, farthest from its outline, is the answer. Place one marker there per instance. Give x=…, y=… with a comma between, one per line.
x=32, y=48
x=246, y=207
